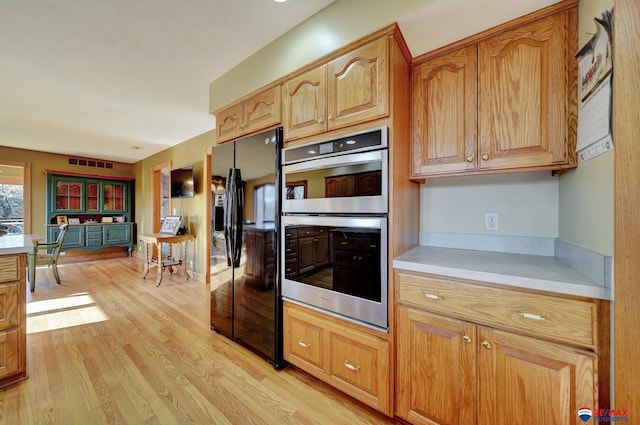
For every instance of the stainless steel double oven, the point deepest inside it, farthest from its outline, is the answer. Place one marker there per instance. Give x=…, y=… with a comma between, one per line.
x=334, y=226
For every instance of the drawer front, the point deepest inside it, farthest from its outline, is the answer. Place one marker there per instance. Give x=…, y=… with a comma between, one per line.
x=94, y=235
x=94, y=242
x=565, y=320
x=355, y=361
x=291, y=248
x=9, y=267
x=10, y=356
x=9, y=305
x=94, y=229
x=291, y=233
x=304, y=341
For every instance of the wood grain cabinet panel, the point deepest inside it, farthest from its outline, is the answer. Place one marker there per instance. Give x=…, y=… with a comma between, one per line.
x=444, y=114
x=339, y=353
x=348, y=90
x=529, y=381
x=259, y=112
x=436, y=369
x=358, y=85
x=13, y=342
x=504, y=103
x=462, y=360
x=523, y=84
x=305, y=104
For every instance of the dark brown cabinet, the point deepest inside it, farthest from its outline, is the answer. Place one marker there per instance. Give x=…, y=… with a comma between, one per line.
x=306, y=249
x=261, y=257
x=368, y=183
x=356, y=259
x=313, y=249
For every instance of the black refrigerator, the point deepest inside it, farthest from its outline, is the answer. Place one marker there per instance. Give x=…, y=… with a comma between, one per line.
x=246, y=303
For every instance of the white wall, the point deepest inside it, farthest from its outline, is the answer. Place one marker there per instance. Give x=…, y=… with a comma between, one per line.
x=337, y=25
x=526, y=203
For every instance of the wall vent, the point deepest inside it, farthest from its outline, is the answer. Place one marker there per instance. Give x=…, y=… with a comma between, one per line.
x=85, y=162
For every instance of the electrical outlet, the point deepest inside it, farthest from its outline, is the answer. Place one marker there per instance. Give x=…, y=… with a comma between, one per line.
x=491, y=221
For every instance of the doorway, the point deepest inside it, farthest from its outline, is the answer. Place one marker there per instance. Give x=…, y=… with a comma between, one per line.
x=15, y=197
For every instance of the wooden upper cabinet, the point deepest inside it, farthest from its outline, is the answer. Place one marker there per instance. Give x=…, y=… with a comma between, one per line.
x=358, y=85
x=350, y=89
x=444, y=114
x=251, y=115
x=506, y=102
x=523, y=91
x=305, y=104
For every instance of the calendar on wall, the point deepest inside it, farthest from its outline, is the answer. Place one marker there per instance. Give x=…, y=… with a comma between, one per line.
x=595, y=68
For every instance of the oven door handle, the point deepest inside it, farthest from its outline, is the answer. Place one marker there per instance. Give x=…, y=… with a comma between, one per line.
x=338, y=161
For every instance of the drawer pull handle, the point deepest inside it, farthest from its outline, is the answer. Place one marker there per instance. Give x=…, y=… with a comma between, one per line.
x=303, y=344
x=432, y=296
x=531, y=315
x=350, y=366
x=466, y=338
x=486, y=344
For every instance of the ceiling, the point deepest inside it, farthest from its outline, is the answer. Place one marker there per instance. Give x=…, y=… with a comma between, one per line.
x=122, y=80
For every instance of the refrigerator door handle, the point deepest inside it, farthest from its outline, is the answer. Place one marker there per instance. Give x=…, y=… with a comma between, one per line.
x=228, y=216
x=239, y=217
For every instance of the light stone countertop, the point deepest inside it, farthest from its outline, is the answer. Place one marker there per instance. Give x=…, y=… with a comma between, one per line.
x=15, y=244
x=537, y=272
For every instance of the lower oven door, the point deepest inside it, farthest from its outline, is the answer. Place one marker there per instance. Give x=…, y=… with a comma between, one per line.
x=337, y=264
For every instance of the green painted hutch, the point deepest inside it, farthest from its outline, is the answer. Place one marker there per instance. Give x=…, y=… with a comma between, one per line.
x=97, y=208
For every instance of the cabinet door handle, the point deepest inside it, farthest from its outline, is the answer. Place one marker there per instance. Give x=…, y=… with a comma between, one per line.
x=469, y=158
x=330, y=116
x=321, y=120
x=485, y=157
x=350, y=366
x=466, y=338
x=531, y=315
x=486, y=344
x=302, y=344
x=432, y=296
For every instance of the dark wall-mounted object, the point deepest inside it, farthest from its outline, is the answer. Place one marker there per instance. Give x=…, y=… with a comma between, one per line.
x=182, y=183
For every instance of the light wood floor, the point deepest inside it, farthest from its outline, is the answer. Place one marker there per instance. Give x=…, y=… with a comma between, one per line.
x=107, y=347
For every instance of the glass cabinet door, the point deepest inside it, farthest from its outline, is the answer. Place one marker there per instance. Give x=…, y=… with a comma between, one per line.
x=93, y=198
x=114, y=197
x=69, y=195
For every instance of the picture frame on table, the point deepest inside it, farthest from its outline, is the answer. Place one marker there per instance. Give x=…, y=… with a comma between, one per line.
x=61, y=219
x=74, y=221
x=170, y=224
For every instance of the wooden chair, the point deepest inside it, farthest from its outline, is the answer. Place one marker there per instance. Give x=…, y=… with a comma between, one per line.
x=48, y=256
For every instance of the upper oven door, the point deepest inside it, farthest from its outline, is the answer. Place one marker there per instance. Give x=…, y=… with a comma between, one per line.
x=348, y=183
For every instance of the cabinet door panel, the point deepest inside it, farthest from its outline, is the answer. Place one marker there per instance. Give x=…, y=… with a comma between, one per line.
x=305, y=104
x=304, y=344
x=359, y=366
x=436, y=369
x=229, y=123
x=523, y=95
x=528, y=381
x=358, y=85
x=262, y=110
x=444, y=114
x=12, y=359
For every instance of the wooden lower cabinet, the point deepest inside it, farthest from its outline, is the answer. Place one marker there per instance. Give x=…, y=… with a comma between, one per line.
x=530, y=381
x=455, y=372
x=474, y=365
x=350, y=359
x=13, y=352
